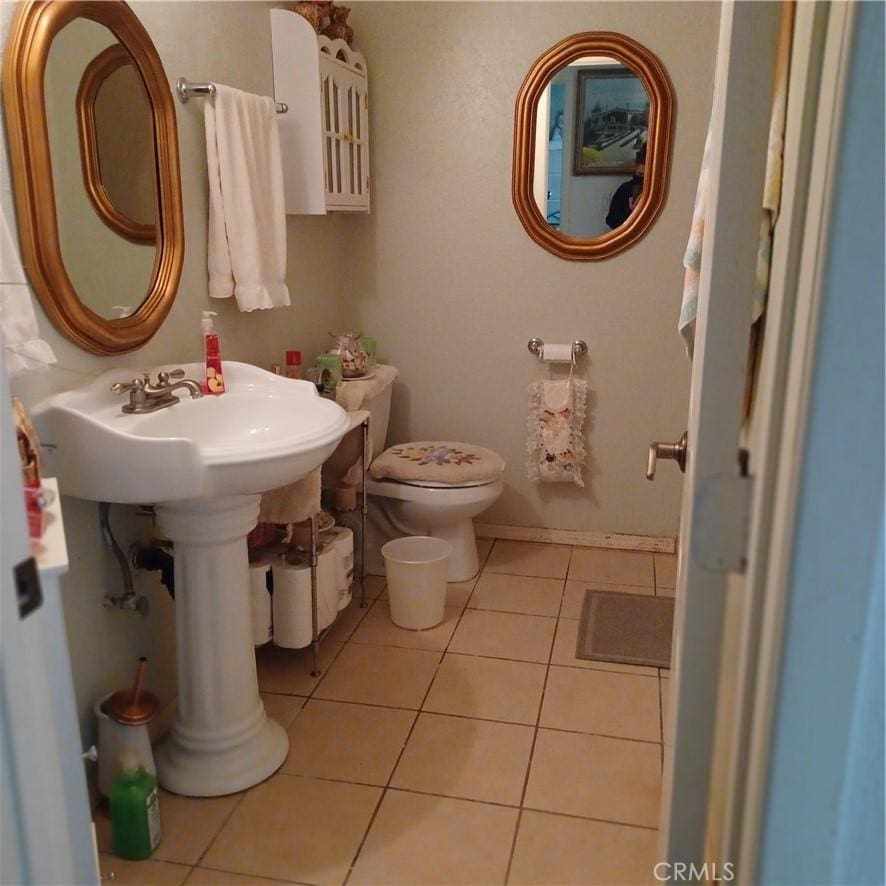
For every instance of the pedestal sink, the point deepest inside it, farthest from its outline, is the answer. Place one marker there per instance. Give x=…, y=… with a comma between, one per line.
x=203, y=463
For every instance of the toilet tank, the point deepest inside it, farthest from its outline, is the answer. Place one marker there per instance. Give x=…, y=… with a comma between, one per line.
x=379, y=407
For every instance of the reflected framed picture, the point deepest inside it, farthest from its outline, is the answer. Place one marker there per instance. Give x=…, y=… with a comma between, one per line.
x=611, y=120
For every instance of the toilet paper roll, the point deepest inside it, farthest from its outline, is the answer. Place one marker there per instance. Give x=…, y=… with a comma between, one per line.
x=292, y=604
x=342, y=539
x=292, y=598
x=260, y=602
x=556, y=353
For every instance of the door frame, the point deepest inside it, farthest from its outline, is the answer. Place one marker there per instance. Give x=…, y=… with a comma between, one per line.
x=820, y=61
x=714, y=490
x=786, y=422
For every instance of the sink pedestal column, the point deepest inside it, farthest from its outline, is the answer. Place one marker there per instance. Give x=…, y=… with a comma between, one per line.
x=221, y=740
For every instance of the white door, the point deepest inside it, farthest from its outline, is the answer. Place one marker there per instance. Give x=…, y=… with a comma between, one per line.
x=46, y=831
x=711, y=526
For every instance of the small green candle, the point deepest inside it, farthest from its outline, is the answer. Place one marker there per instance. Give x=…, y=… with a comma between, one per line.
x=332, y=377
x=370, y=345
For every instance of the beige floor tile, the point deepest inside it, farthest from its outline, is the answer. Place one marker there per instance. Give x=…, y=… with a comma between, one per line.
x=349, y=742
x=607, y=567
x=574, y=595
x=484, y=546
x=457, y=593
x=529, y=558
x=288, y=671
x=348, y=620
x=504, y=635
x=552, y=849
x=293, y=828
x=517, y=593
x=666, y=592
x=665, y=571
x=378, y=629
x=417, y=839
x=208, y=877
x=663, y=689
x=380, y=675
x=587, y=775
x=472, y=759
x=564, y=653
x=143, y=873
x=621, y=705
x=488, y=688
x=189, y=826
x=282, y=708
x=375, y=584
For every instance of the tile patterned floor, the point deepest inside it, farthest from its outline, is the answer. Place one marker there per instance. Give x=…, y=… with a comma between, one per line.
x=479, y=752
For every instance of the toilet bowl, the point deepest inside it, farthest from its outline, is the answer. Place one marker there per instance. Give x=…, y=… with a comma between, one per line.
x=437, y=509
x=408, y=507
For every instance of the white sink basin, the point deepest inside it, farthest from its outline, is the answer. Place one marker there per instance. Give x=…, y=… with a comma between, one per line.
x=265, y=431
x=203, y=463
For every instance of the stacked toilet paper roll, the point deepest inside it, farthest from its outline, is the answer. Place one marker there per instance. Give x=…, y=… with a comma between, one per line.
x=293, y=626
x=260, y=601
x=342, y=540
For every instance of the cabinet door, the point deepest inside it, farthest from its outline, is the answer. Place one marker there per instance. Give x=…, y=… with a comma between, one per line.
x=345, y=137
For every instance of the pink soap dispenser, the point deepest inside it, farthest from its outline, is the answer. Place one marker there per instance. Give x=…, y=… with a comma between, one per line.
x=215, y=382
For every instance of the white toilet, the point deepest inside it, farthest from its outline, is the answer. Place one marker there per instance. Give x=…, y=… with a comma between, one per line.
x=423, y=507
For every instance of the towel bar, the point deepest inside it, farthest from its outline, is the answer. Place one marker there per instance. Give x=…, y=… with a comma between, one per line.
x=186, y=90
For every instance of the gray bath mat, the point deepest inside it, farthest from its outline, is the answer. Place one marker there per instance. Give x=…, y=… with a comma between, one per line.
x=626, y=628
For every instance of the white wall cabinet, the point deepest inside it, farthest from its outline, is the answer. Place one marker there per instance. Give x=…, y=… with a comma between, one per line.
x=324, y=136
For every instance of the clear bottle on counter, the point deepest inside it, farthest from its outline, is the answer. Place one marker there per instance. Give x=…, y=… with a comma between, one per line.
x=293, y=364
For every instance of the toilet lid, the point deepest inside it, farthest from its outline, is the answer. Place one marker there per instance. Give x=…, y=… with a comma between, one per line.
x=438, y=462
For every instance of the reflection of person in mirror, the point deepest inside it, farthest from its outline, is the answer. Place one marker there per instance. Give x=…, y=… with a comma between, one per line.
x=627, y=194
x=557, y=129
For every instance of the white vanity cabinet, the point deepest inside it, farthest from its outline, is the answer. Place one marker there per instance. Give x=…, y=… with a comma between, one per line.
x=324, y=136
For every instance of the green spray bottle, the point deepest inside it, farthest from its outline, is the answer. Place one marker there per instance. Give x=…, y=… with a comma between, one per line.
x=135, y=811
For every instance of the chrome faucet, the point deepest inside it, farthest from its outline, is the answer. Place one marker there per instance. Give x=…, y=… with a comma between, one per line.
x=147, y=396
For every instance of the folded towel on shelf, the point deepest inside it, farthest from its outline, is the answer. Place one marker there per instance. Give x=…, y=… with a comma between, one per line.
x=555, y=437
x=351, y=394
x=247, y=216
x=293, y=503
x=23, y=349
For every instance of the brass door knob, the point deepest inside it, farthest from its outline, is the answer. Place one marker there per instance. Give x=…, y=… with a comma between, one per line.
x=676, y=451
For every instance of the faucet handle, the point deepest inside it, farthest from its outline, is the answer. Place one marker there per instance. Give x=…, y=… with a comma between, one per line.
x=163, y=378
x=136, y=385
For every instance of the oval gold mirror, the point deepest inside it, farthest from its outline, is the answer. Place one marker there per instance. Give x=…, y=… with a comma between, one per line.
x=592, y=145
x=117, y=145
x=85, y=268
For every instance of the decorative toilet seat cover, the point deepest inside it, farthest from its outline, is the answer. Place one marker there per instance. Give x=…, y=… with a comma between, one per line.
x=438, y=462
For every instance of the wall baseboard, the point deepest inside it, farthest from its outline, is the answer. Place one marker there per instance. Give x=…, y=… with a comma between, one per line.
x=659, y=544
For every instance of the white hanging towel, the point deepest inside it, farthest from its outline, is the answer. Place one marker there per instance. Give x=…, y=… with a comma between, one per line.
x=23, y=349
x=247, y=217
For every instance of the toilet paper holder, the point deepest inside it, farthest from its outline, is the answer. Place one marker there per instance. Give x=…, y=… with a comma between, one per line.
x=536, y=346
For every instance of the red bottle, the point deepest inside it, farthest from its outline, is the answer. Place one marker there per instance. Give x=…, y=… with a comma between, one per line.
x=215, y=382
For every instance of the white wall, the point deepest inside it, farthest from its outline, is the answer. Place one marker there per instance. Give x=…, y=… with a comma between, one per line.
x=443, y=274
x=228, y=43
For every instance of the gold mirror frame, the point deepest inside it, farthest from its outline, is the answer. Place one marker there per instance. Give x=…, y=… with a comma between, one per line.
x=35, y=26
x=97, y=71
x=662, y=107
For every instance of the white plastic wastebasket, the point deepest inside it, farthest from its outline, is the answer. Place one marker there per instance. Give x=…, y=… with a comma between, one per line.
x=416, y=567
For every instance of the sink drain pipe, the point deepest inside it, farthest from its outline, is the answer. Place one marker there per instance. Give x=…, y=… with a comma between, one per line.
x=128, y=600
